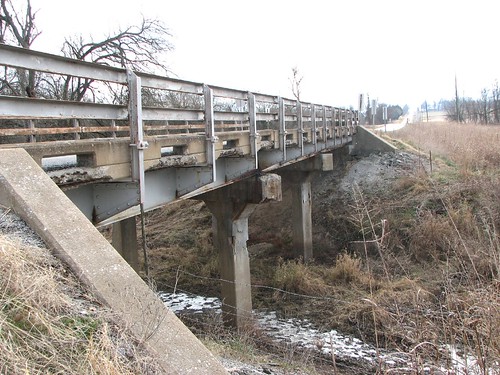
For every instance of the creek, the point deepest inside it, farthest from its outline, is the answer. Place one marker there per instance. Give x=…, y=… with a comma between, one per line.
x=302, y=335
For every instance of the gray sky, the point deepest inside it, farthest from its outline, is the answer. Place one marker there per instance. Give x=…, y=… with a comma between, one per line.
x=401, y=52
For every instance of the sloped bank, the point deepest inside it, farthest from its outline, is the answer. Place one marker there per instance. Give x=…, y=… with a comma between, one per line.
x=28, y=191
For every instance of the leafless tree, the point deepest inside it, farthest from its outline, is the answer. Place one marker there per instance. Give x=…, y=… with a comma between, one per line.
x=141, y=48
x=496, y=102
x=18, y=28
x=295, y=82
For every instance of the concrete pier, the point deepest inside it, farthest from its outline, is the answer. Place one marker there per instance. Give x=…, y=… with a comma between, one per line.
x=302, y=215
x=124, y=240
x=231, y=207
x=299, y=176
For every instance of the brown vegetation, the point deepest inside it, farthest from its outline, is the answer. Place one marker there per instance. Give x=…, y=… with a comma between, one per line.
x=50, y=325
x=432, y=280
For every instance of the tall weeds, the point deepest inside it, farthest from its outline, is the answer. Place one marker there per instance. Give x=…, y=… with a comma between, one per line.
x=45, y=329
x=452, y=239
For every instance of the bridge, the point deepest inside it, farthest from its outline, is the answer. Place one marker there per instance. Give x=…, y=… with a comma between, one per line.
x=139, y=141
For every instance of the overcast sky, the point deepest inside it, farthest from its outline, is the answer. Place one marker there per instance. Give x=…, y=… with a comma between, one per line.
x=401, y=52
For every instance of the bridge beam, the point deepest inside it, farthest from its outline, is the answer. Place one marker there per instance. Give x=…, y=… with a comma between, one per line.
x=231, y=207
x=124, y=240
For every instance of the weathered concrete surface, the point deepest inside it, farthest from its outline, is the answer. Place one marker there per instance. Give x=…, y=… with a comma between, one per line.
x=36, y=198
x=231, y=206
x=299, y=176
x=365, y=143
x=124, y=240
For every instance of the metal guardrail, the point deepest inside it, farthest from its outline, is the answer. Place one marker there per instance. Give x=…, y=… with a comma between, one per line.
x=216, y=131
x=39, y=119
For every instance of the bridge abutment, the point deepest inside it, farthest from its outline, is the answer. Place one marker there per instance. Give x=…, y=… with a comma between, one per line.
x=231, y=207
x=124, y=240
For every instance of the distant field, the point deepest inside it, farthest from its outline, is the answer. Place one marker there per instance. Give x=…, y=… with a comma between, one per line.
x=471, y=147
x=431, y=116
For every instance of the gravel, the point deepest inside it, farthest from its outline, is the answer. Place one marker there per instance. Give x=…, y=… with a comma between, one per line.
x=13, y=227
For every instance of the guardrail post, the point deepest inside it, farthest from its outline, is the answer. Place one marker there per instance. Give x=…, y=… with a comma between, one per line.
x=300, y=128
x=76, y=125
x=350, y=122
x=282, y=124
x=211, y=138
x=252, y=118
x=136, y=132
x=31, y=125
x=313, y=126
x=325, y=127
x=334, y=126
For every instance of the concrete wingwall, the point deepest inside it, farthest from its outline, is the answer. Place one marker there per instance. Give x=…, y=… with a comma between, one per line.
x=365, y=143
x=27, y=189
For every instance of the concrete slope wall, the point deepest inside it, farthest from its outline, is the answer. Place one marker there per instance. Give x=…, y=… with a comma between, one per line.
x=26, y=188
x=365, y=142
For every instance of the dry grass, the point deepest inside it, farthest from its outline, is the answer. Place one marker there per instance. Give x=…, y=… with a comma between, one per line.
x=433, y=280
x=49, y=324
x=452, y=235
x=473, y=148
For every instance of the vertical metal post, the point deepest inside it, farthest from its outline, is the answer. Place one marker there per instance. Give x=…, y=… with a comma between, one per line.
x=282, y=124
x=325, y=128
x=348, y=121
x=252, y=118
x=341, y=123
x=113, y=124
x=76, y=124
x=334, y=126
x=31, y=125
x=313, y=126
x=136, y=132
x=300, y=128
x=211, y=139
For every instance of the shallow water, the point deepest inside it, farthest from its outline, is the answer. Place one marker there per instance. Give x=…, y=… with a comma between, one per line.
x=302, y=334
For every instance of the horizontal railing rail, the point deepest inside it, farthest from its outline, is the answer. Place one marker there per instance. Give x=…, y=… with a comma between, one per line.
x=169, y=106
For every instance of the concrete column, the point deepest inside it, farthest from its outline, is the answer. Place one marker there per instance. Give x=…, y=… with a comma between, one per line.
x=231, y=206
x=231, y=243
x=124, y=240
x=299, y=177
x=302, y=218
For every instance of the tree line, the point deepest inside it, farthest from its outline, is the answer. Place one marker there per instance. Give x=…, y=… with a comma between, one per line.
x=482, y=110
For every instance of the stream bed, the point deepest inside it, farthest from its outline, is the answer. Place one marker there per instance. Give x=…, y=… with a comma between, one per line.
x=302, y=335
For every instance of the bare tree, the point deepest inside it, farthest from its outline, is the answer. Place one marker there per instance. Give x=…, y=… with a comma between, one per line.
x=496, y=102
x=295, y=82
x=18, y=28
x=140, y=47
x=484, y=107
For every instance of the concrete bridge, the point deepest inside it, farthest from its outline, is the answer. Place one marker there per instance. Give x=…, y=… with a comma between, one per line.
x=167, y=139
